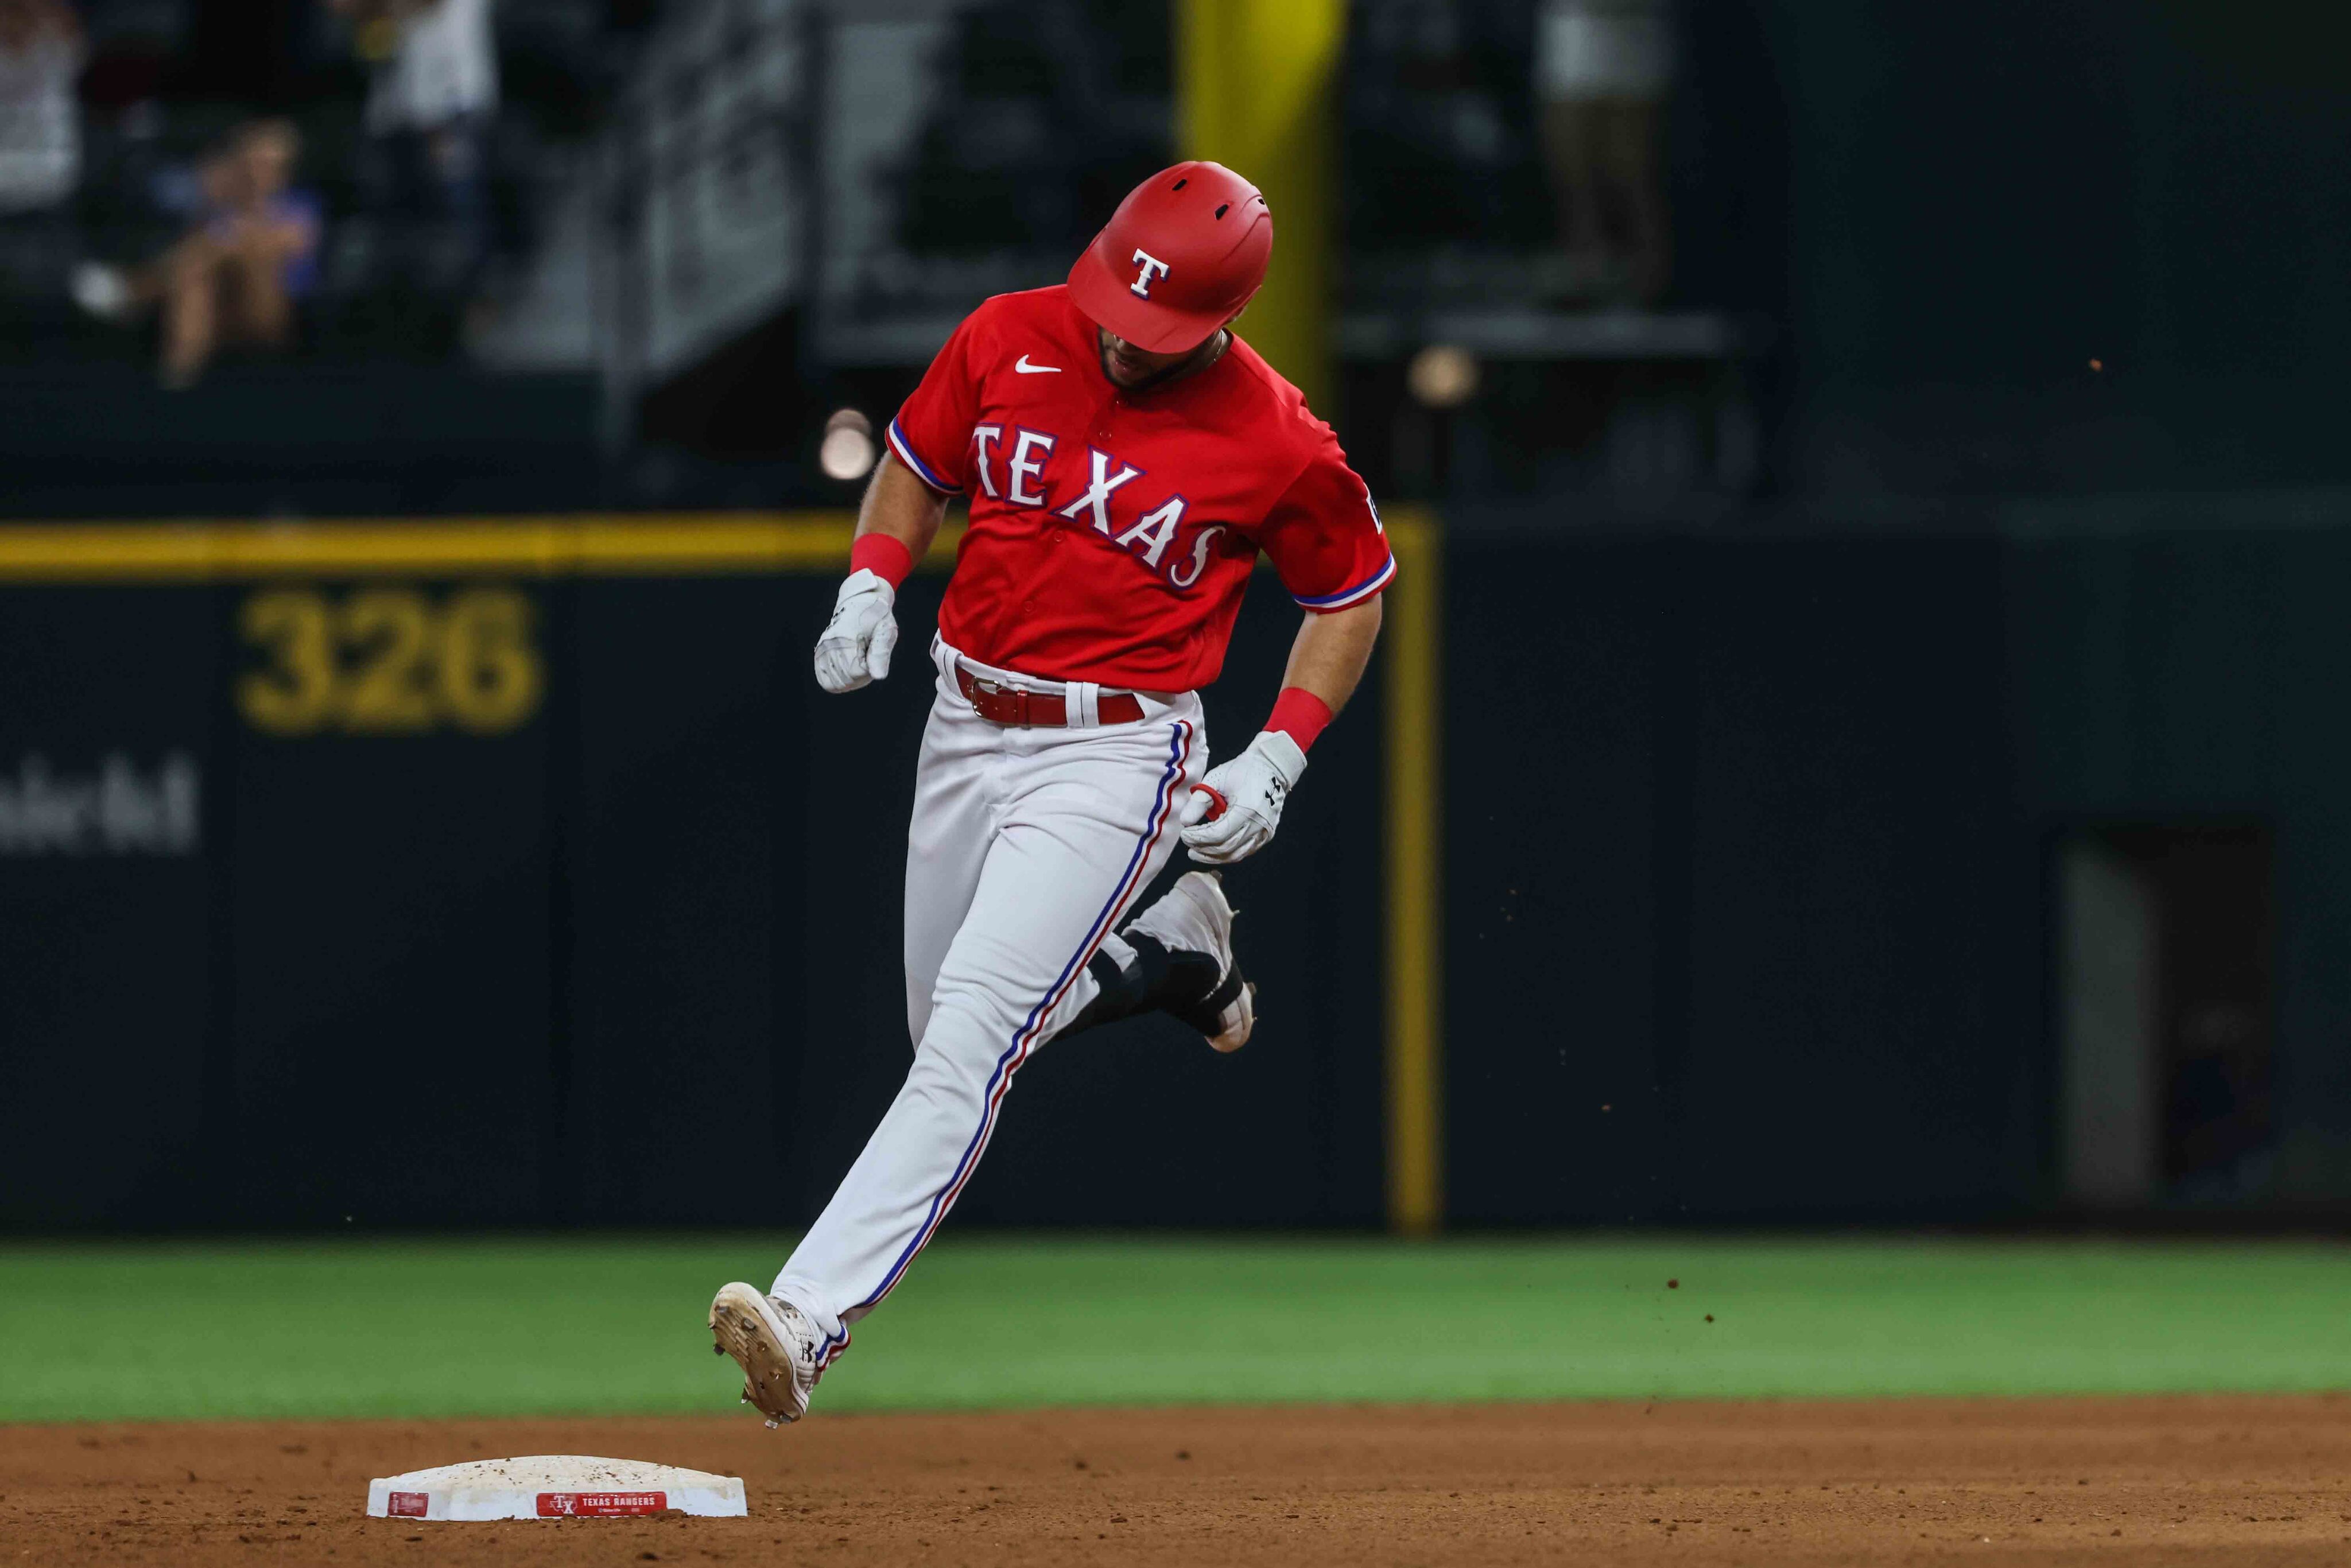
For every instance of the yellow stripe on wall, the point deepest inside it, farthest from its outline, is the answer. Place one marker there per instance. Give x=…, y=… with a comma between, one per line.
x=599, y=545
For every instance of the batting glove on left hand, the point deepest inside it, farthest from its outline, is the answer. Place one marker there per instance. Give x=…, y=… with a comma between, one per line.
x=1233, y=812
x=855, y=647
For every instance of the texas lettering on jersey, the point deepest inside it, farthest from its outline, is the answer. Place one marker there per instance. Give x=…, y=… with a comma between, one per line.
x=1151, y=533
x=1113, y=533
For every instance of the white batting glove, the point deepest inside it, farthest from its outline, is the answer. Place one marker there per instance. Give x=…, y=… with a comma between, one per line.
x=855, y=647
x=1232, y=812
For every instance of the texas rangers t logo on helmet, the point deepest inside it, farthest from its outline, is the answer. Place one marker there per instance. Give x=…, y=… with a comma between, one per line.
x=1147, y=267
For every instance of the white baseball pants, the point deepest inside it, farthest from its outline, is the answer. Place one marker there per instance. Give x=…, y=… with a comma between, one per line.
x=1027, y=848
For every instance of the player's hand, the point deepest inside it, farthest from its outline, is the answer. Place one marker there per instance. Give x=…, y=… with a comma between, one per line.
x=855, y=647
x=1232, y=813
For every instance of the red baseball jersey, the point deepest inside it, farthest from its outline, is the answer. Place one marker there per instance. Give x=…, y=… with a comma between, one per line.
x=1113, y=532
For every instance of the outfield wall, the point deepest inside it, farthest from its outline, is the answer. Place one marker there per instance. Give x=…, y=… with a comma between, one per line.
x=453, y=875
x=1753, y=860
x=538, y=882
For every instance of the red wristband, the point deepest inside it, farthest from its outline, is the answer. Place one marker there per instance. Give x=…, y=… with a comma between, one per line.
x=1302, y=713
x=884, y=556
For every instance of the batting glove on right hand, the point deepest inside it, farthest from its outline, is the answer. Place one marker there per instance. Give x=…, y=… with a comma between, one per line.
x=855, y=648
x=1233, y=812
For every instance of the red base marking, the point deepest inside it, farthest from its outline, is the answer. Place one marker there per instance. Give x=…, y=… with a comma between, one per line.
x=406, y=1505
x=600, y=1504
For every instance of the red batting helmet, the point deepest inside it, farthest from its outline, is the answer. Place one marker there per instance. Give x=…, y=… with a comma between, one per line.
x=1184, y=250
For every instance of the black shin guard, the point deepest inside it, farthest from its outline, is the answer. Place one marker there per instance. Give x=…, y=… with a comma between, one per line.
x=1159, y=980
x=1206, y=1013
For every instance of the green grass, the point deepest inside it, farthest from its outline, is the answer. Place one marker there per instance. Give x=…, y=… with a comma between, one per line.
x=121, y=1330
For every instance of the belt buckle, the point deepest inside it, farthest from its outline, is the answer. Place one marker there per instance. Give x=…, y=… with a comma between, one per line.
x=1019, y=695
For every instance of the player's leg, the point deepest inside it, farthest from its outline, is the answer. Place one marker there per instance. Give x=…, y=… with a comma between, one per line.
x=1174, y=956
x=1086, y=823
x=1177, y=957
x=959, y=782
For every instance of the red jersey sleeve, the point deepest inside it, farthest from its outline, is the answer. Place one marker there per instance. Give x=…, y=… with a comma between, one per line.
x=932, y=434
x=1324, y=534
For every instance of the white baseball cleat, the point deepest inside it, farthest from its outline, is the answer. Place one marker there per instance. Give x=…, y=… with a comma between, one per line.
x=775, y=1344
x=1193, y=919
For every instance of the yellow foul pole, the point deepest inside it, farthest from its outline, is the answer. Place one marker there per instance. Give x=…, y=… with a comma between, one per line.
x=1255, y=85
x=1410, y=676
x=1256, y=92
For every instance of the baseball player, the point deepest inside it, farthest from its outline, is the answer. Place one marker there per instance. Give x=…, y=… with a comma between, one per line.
x=1126, y=458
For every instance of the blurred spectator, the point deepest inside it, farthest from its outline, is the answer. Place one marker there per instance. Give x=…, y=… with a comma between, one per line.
x=40, y=124
x=233, y=281
x=430, y=113
x=1602, y=69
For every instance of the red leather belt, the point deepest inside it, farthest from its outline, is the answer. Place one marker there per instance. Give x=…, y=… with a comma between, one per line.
x=1018, y=706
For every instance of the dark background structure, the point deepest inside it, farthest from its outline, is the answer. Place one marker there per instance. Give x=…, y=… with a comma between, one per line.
x=1967, y=511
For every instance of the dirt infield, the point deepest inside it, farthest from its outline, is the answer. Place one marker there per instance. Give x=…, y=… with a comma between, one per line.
x=2219, y=1481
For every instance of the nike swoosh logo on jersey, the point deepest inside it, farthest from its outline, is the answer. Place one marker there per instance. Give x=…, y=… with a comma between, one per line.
x=1026, y=368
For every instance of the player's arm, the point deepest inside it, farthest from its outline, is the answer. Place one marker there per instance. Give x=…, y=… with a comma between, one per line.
x=895, y=524
x=1327, y=544
x=901, y=507
x=920, y=471
x=1328, y=661
x=1233, y=812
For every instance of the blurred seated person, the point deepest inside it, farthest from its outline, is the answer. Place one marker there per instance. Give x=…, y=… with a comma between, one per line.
x=430, y=110
x=1602, y=69
x=233, y=281
x=40, y=122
